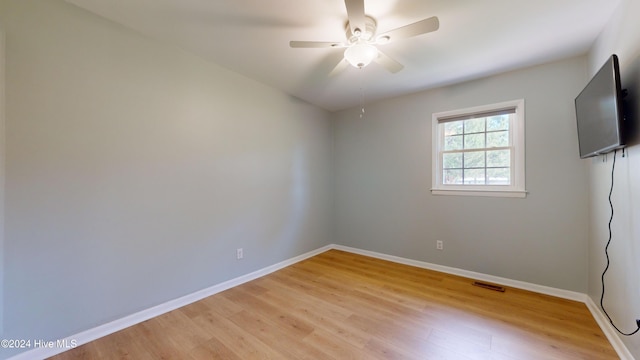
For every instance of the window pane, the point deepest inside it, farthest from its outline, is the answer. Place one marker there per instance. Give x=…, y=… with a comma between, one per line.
x=479, y=149
x=499, y=158
x=452, y=161
x=499, y=176
x=498, y=139
x=474, y=176
x=453, y=128
x=474, y=159
x=475, y=141
x=474, y=125
x=498, y=123
x=452, y=177
x=453, y=142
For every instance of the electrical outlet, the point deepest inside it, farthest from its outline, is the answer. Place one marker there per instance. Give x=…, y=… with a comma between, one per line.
x=239, y=253
x=439, y=245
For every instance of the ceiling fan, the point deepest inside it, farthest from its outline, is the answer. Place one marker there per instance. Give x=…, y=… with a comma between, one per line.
x=360, y=47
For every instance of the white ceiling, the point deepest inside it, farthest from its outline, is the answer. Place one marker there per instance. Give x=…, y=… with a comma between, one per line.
x=476, y=38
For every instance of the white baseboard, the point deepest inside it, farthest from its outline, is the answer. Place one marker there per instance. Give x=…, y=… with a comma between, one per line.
x=127, y=321
x=609, y=331
x=117, y=325
x=606, y=327
x=565, y=294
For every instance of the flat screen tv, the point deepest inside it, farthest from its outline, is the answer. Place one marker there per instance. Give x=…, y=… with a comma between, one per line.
x=599, y=112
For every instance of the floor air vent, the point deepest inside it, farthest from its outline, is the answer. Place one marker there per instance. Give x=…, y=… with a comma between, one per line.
x=489, y=286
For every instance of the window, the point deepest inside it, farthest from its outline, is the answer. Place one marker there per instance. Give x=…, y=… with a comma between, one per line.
x=479, y=151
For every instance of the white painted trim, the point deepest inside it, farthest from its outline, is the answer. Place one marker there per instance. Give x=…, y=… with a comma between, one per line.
x=517, y=133
x=605, y=326
x=133, y=319
x=609, y=331
x=565, y=294
x=492, y=193
x=117, y=325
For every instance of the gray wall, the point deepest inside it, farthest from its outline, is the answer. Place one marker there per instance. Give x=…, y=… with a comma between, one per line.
x=622, y=295
x=383, y=177
x=134, y=170
x=2, y=178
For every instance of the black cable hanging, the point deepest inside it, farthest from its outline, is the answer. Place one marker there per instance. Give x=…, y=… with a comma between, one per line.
x=606, y=253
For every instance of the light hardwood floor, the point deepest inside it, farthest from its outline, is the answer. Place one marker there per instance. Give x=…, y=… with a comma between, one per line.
x=339, y=305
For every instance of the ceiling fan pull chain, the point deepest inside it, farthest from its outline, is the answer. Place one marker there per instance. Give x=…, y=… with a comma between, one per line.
x=361, y=93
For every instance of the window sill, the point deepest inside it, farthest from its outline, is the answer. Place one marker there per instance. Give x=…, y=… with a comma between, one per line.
x=485, y=193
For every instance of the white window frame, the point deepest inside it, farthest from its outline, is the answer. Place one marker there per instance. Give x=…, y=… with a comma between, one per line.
x=516, y=132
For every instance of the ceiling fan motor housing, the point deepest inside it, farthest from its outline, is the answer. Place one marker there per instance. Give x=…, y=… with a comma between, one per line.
x=367, y=34
x=361, y=45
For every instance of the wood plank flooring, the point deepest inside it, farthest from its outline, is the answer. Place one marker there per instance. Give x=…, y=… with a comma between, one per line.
x=339, y=305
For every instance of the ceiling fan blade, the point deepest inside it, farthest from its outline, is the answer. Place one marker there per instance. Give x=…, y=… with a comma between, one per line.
x=417, y=28
x=315, y=44
x=343, y=64
x=388, y=63
x=355, y=13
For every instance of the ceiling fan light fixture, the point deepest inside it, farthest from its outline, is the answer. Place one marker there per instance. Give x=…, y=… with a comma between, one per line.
x=360, y=55
x=360, y=32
